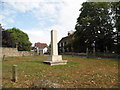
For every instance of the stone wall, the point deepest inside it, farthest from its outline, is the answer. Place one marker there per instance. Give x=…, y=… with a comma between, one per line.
x=15, y=52
x=108, y=55
x=102, y=55
x=73, y=53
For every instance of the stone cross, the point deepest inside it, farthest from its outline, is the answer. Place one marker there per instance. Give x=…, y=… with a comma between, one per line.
x=54, y=58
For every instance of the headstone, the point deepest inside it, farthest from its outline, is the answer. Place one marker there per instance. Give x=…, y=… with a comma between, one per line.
x=54, y=58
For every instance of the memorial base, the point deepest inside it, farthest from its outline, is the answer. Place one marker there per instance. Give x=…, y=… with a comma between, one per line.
x=55, y=60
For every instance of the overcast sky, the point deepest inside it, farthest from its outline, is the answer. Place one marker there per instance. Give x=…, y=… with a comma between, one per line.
x=38, y=17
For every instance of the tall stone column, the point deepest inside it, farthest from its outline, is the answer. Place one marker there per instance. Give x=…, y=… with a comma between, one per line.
x=54, y=47
x=54, y=58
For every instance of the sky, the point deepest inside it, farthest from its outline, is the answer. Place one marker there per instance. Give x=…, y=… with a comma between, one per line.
x=38, y=17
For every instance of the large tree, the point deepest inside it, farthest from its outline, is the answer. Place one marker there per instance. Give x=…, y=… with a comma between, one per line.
x=115, y=7
x=15, y=37
x=94, y=26
x=7, y=39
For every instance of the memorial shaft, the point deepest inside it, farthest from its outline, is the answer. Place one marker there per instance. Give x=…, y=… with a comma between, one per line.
x=54, y=47
x=54, y=58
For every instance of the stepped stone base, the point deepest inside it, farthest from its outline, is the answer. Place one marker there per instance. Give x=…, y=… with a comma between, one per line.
x=55, y=60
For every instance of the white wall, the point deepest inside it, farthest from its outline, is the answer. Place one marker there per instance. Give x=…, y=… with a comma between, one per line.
x=45, y=50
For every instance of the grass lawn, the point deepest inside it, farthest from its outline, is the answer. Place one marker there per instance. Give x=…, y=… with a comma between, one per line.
x=78, y=73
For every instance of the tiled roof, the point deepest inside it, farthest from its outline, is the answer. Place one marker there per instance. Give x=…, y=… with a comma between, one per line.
x=40, y=45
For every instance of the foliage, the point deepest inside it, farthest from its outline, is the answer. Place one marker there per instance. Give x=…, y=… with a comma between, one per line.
x=94, y=25
x=17, y=37
x=116, y=18
x=7, y=39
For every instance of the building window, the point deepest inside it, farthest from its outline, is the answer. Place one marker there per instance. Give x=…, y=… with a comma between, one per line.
x=63, y=43
x=59, y=44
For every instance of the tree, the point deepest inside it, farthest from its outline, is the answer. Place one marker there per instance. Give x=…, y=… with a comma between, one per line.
x=7, y=39
x=116, y=19
x=94, y=25
x=17, y=37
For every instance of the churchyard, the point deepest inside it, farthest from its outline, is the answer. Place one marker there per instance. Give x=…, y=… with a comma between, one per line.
x=96, y=35
x=79, y=72
x=55, y=71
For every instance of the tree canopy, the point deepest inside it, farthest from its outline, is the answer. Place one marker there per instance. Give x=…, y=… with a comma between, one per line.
x=15, y=37
x=95, y=26
x=116, y=18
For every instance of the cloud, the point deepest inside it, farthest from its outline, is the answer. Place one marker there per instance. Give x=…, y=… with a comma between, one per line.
x=47, y=11
x=1, y=17
x=51, y=14
x=23, y=6
x=6, y=17
x=64, y=13
x=26, y=5
x=37, y=35
x=68, y=14
x=22, y=1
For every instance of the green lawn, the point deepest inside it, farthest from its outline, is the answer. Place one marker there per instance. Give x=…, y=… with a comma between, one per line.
x=78, y=73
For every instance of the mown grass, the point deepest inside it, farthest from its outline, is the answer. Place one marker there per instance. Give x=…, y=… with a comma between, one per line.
x=78, y=73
